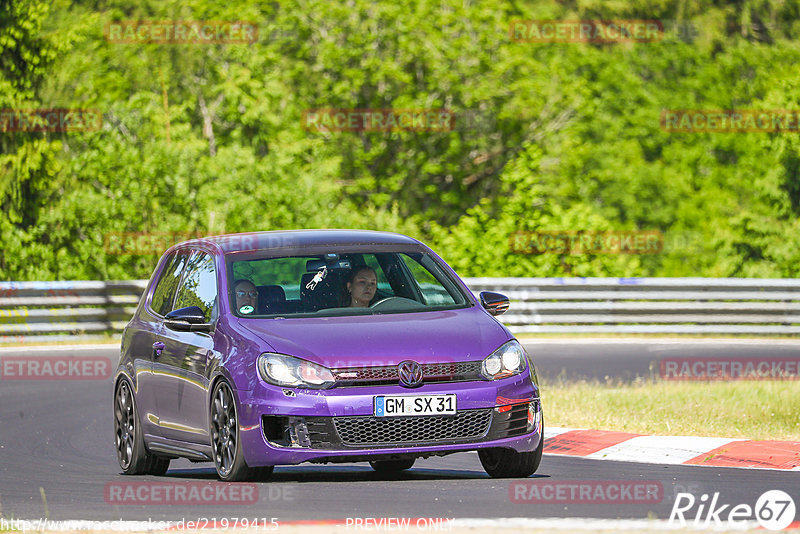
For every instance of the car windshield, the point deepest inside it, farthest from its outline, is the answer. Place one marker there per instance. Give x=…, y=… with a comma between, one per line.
x=334, y=284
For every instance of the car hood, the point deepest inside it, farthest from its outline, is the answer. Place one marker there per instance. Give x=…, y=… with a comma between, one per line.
x=468, y=334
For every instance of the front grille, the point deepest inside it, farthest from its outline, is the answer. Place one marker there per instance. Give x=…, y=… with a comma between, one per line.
x=432, y=372
x=367, y=430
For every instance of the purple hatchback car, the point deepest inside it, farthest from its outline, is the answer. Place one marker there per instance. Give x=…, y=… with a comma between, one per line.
x=274, y=348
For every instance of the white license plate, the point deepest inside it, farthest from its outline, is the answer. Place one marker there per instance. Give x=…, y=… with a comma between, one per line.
x=389, y=405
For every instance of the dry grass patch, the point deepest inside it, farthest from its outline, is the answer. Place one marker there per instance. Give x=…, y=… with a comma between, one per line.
x=742, y=409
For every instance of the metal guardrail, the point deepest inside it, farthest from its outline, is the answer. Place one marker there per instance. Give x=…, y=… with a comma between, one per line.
x=43, y=311
x=648, y=305
x=59, y=311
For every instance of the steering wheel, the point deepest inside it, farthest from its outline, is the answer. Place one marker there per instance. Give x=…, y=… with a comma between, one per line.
x=397, y=303
x=383, y=300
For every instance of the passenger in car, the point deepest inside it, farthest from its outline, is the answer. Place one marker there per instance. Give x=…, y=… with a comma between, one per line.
x=246, y=296
x=360, y=286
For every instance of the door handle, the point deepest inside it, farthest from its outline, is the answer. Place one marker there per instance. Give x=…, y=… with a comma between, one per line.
x=158, y=347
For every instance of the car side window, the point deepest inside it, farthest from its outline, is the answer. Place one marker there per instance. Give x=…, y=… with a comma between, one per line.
x=432, y=289
x=199, y=287
x=164, y=293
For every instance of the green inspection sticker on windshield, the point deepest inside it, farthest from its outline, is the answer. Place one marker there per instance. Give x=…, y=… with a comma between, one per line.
x=246, y=309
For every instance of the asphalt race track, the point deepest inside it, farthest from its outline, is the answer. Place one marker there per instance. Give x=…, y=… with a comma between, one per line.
x=56, y=439
x=626, y=359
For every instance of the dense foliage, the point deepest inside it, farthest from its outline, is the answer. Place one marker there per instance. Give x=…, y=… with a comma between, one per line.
x=205, y=138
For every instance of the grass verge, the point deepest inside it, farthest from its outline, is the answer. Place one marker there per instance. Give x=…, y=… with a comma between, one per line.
x=743, y=409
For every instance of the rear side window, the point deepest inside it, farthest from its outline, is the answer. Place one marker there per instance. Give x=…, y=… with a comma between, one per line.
x=199, y=286
x=161, y=303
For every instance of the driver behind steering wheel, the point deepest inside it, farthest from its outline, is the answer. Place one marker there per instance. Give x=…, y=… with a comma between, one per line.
x=361, y=284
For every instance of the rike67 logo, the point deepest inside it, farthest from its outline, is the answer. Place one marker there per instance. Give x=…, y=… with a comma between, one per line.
x=774, y=510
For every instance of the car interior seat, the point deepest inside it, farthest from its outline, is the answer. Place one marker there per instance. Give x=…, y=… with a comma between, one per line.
x=271, y=299
x=326, y=294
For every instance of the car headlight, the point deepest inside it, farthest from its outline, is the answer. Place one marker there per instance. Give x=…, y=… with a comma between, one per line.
x=283, y=370
x=508, y=360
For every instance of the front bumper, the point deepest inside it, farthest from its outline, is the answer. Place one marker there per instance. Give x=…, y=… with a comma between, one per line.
x=338, y=424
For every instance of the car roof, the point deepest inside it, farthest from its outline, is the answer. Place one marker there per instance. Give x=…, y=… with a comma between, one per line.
x=250, y=241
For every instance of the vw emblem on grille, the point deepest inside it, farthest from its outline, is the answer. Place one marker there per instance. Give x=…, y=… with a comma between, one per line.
x=410, y=373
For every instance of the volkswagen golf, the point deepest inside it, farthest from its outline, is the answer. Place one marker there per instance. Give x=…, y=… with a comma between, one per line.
x=277, y=348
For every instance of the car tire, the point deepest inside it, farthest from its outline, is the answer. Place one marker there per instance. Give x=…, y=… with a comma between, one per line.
x=225, y=443
x=262, y=473
x=508, y=463
x=158, y=465
x=132, y=454
x=392, y=466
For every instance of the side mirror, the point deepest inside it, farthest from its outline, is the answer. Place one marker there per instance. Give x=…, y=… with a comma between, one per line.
x=495, y=303
x=190, y=319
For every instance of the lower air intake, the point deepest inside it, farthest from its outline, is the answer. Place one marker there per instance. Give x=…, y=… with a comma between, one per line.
x=367, y=430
